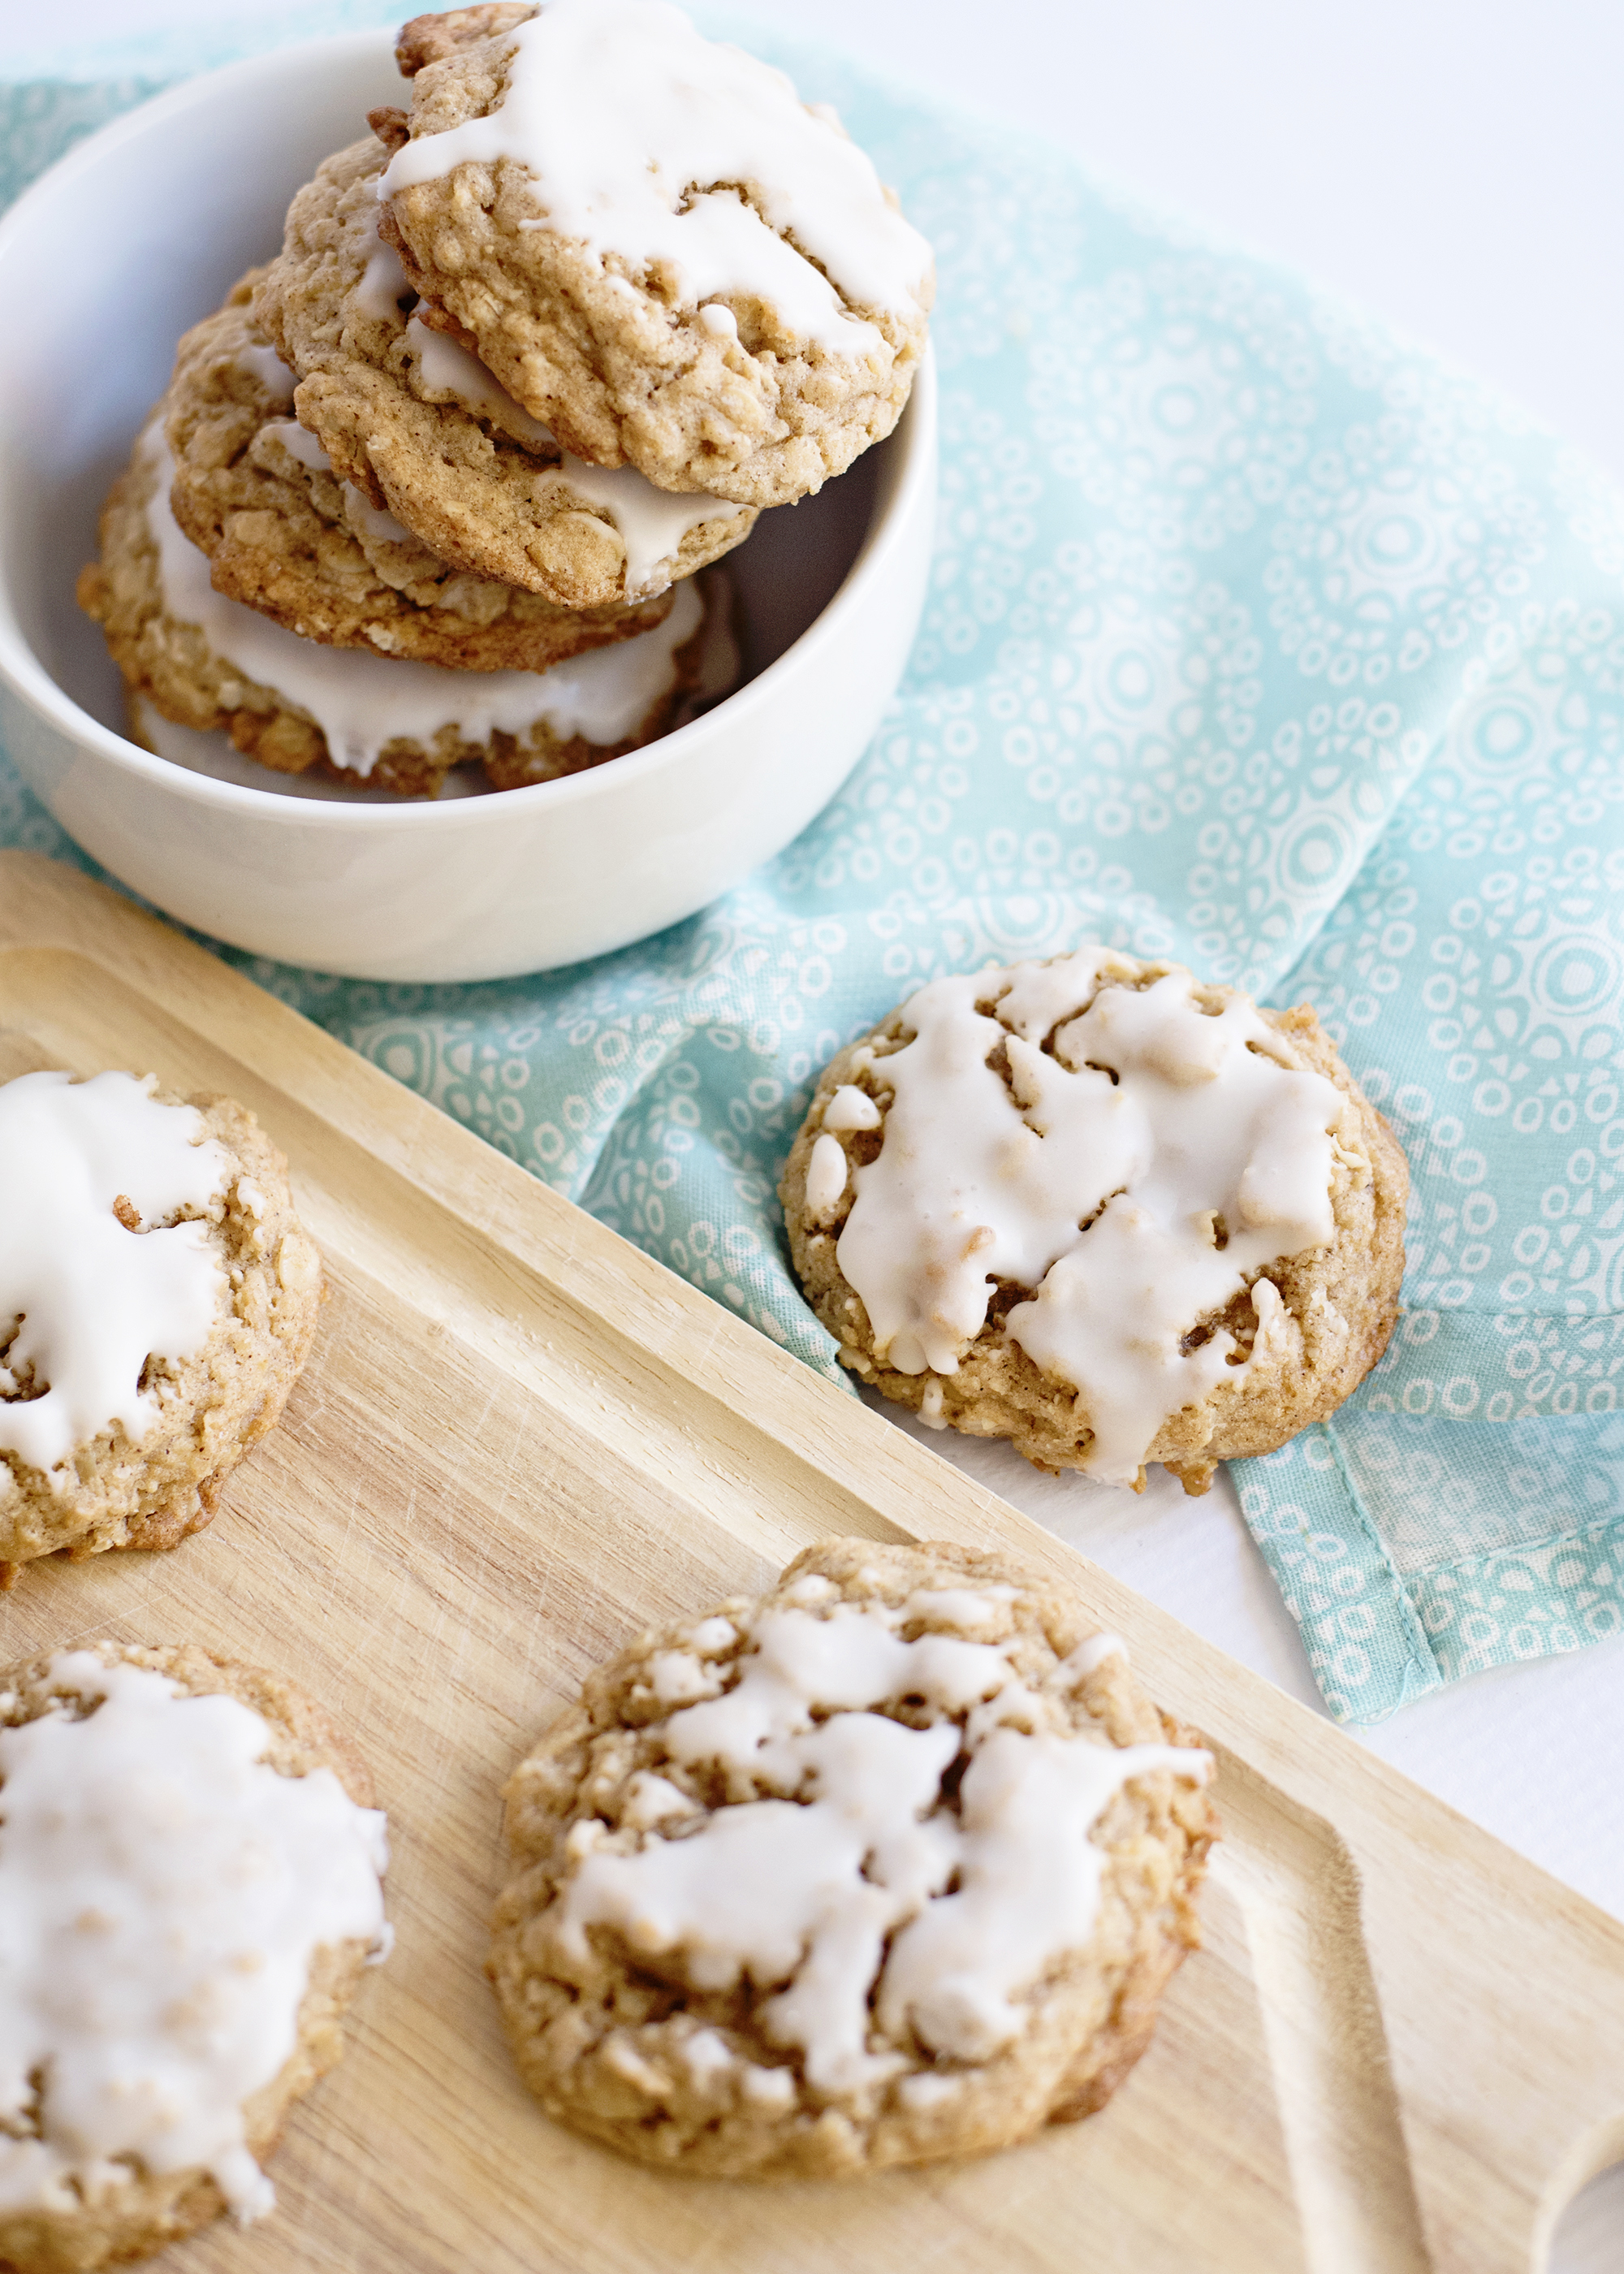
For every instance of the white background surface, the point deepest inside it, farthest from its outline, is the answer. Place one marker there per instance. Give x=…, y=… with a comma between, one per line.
x=1458, y=166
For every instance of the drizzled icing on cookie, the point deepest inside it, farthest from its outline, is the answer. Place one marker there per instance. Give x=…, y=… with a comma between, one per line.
x=266, y=366
x=362, y=701
x=826, y=1179
x=96, y=1299
x=383, y=286
x=640, y=135
x=652, y=524
x=300, y=444
x=445, y=367
x=859, y=1846
x=1135, y=1174
x=851, y=1108
x=164, y=1891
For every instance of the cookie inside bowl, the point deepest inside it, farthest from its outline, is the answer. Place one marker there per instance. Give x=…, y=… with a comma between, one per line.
x=755, y=606
x=827, y=594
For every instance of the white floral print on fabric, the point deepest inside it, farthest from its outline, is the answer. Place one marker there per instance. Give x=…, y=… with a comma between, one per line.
x=1257, y=639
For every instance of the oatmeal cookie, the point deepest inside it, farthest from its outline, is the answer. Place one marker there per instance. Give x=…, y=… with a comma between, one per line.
x=256, y=494
x=419, y=425
x=126, y=2126
x=208, y=662
x=892, y=1863
x=1102, y=1210
x=158, y=1297
x=658, y=249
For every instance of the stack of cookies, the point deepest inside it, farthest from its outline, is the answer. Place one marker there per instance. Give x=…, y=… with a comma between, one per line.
x=433, y=488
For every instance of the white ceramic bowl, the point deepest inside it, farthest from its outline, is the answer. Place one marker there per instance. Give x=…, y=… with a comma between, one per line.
x=135, y=235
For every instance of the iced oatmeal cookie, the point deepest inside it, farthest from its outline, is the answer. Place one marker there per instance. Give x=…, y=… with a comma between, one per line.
x=1103, y=1211
x=206, y=662
x=190, y=1867
x=892, y=1863
x=158, y=1297
x=425, y=433
x=256, y=492
x=656, y=247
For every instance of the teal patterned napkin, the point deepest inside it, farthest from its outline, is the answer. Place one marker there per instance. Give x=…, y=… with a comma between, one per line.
x=1256, y=638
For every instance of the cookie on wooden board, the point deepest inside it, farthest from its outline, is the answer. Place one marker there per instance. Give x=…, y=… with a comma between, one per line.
x=1103, y=1211
x=891, y=1863
x=656, y=246
x=189, y=1869
x=158, y=1297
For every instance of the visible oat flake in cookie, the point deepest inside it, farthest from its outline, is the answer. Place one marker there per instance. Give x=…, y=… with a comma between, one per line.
x=889, y=1865
x=426, y=432
x=157, y=1298
x=257, y=493
x=1099, y=1209
x=659, y=250
x=190, y=1873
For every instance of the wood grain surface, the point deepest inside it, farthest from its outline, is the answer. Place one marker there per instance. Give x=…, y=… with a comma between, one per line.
x=519, y=1440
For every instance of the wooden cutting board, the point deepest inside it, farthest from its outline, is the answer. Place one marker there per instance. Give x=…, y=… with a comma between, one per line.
x=518, y=1442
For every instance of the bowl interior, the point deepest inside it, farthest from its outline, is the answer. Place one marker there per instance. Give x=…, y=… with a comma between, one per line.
x=139, y=235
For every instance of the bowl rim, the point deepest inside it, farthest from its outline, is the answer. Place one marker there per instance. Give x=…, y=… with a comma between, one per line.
x=21, y=669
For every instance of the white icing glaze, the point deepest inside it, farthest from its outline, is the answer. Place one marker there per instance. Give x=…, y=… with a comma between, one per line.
x=650, y=1799
x=268, y=368
x=383, y=286
x=825, y=1178
x=1091, y=1652
x=851, y=1108
x=958, y=1606
x=1101, y=1194
x=812, y=1587
x=95, y=1299
x=362, y=701
x=300, y=444
x=707, y=2058
x=677, y=1678
x=446, y=370
x=163, y=1891
x=652, y=524
x=858, y=1844
x=372, y=521
x=637, y=132
x=770, y=2088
